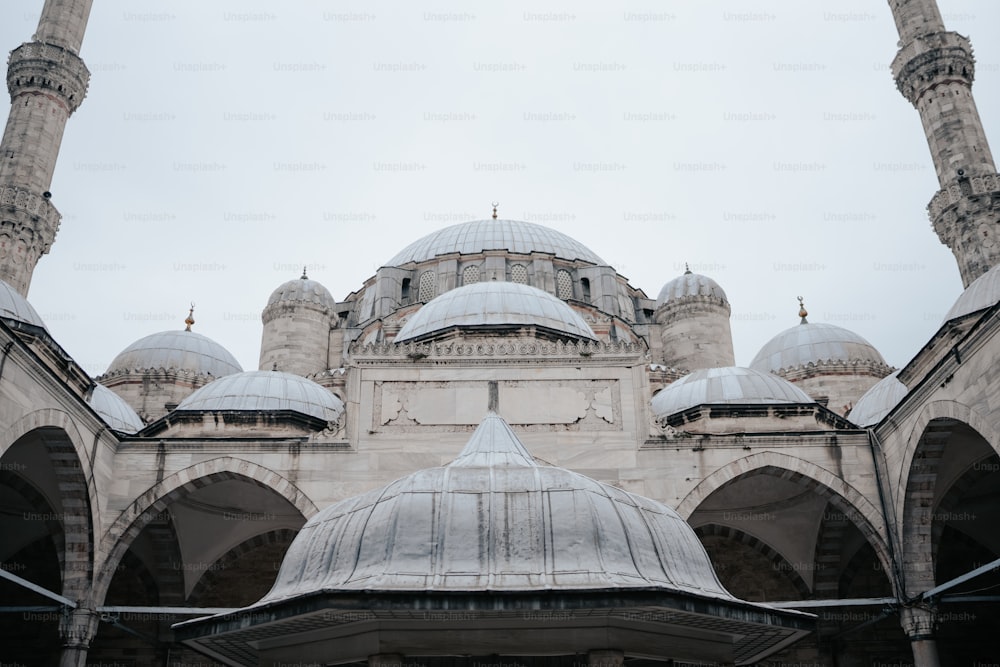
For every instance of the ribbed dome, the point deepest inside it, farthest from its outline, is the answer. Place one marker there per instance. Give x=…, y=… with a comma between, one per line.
x=13, y=306
x=303, y=290
x=730, y=384
x=809, y=343
x=983, y=292
x=690, y=284
x=267, y=391
x=495, y=303
x=479, y=235
x=495, y=520
x=179, y=350
x=878, y=401
x=113, y=409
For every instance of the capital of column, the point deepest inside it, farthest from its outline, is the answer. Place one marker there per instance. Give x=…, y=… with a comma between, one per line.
x=931, y=60
x=47, y=69
x=918, y=622
x=78, y=627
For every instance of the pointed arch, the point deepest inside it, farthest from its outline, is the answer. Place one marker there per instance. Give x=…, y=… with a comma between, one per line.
x=119, y=537
x=847, y=499
x=777, y=560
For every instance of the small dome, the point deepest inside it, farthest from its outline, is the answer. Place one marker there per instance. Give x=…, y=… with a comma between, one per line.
x=730, y=384
x=690, y=284
x=13, y=306
x=303, y=290
x=809, y=343
x=265, y=391
x=495, y=303
x=180, y=350
x=983, y=292
x=113, y=409
x=495, y=520
x=479, y=235
x=878, y=401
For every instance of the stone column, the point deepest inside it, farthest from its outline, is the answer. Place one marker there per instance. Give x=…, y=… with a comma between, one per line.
x=605, y=657
x=918, y=624
x=77, y=629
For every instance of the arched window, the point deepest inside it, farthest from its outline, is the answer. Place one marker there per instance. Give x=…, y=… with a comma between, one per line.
x=427, y=287
x=405, y=295
x=519, y=274
x=564, y=284
x=470, y=274
x=585, y=286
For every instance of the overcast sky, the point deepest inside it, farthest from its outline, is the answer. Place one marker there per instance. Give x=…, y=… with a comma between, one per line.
x=222, y=145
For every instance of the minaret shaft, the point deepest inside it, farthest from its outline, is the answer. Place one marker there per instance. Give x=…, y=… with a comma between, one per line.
x=934, y=70
x=47, y=81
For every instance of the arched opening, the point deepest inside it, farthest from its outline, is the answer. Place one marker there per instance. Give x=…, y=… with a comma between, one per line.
x=950, y=513
x=45, y=525
x=216, y=540
x=774, y=535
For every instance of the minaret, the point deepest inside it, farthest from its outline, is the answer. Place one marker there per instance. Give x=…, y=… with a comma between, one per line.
x=47, y=81
x=934, y=70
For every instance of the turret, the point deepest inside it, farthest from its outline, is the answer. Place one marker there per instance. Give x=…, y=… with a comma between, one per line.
x=300, y=333
x=693, y=313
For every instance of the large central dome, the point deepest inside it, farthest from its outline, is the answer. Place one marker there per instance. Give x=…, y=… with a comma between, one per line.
x=479, y=235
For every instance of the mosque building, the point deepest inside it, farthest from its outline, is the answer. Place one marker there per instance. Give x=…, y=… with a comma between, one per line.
x=499, y=451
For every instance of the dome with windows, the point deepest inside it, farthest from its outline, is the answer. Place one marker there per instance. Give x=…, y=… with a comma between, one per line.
x=176, y=350
x=983, y=292
x=816, y=344
x=495, y=304
x=113, y=409
x=690, y=285
x=302, y=291
x=13, y=306
x=271, y=391
x=511, y=235
x=726, y=385
x=878, y=401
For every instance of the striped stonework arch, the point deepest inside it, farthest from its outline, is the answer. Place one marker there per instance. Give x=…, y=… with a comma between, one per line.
x=920, y=529
x=942, y=410
x=77, y=490
x=153, y=502
x=847, y=499
x=778, y=562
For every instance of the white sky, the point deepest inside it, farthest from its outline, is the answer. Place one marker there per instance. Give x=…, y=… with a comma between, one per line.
x=222, y=145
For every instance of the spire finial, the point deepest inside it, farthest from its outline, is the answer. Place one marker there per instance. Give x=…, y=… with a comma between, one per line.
x=304, y=276
x=495, y=205
x=803, y=313
x=687, y=269
x=189, y=320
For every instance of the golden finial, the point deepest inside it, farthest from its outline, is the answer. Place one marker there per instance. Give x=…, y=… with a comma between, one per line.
x=803, y=313
x=495, y=204
x=304, y=276
x=189, y=320
x=687, y=269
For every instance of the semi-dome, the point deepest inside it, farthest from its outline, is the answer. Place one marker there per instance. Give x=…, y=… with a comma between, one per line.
x=495, y=520
x=13, y=306
x=816, y=344
x=495, y=303
x=177, y=350
x=478, y=235
x=690, y=284
x=303, y=290
x=878, y=401
x=113, y=409
x=983, y=292
x=731, y=384
x=265, y=391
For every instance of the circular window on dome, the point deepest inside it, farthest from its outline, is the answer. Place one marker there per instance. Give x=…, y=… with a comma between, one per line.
x=519, y=274
x=470, y=274
x=564, y=284
x=427, y=287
